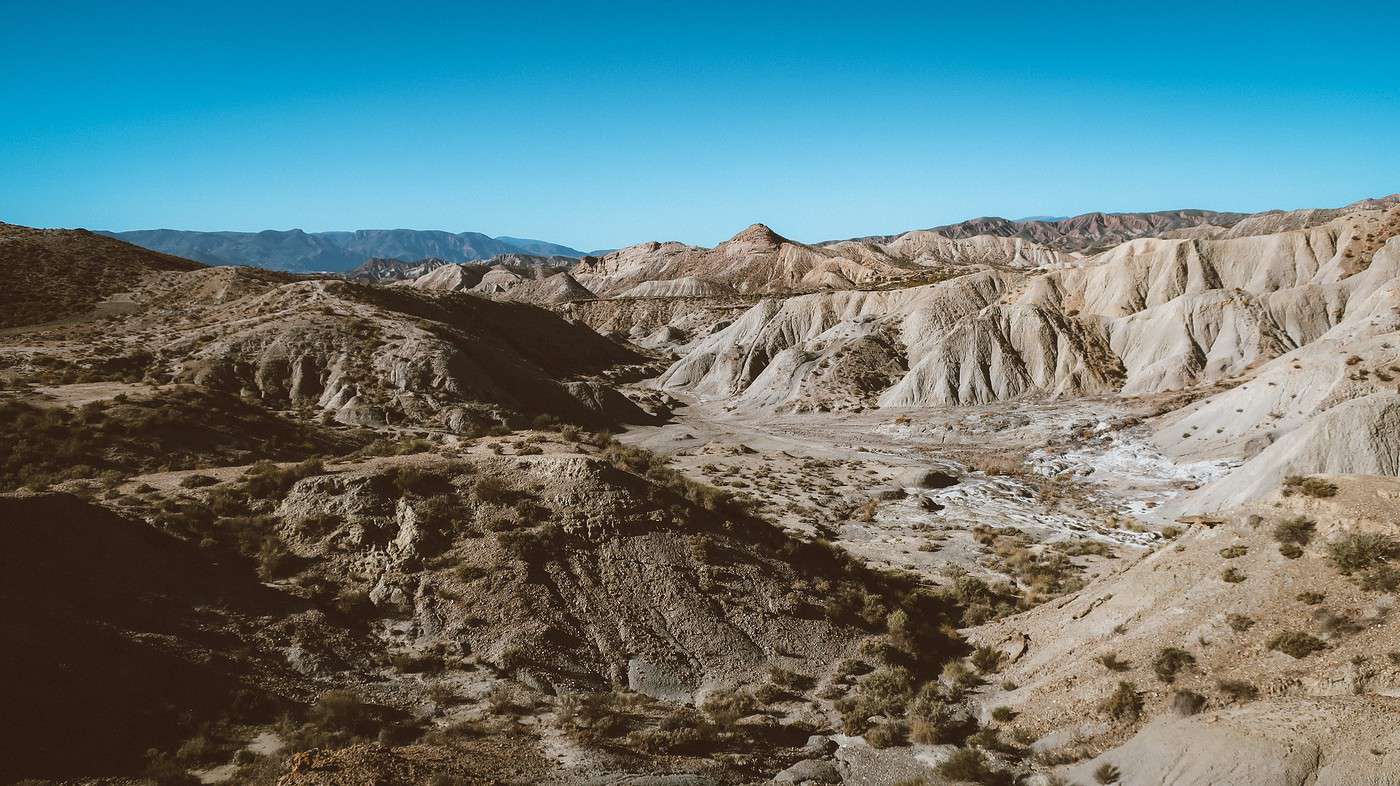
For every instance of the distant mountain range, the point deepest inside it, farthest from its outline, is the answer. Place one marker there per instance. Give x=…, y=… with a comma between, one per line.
x=295, y=250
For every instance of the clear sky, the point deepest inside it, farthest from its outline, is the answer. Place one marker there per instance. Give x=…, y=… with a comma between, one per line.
x=603, y=124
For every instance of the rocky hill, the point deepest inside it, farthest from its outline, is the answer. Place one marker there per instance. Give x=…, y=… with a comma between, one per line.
x=51, y=274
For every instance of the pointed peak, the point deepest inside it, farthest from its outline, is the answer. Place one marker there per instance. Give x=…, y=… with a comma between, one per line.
x=761, y=234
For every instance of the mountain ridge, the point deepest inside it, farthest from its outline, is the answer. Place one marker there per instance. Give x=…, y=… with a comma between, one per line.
x=334, y=251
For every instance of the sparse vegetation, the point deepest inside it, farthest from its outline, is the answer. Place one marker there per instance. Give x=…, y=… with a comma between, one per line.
x=1111, y=661
x=1232, y=575
x=1308, y=486
x=1359, y=552
x=1239, y=623
x=1186, y=702
x=1295, y=644
x=971, y=765
x=1124, y=703
x=1107, y=773
x=1297, y=530
x=1170, y=662
x=1238, y=690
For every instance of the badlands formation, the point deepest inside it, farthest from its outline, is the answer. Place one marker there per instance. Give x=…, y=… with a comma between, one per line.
x=1107, y=499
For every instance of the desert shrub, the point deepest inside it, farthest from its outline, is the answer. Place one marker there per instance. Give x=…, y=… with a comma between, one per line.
x=1107, y=773
x=1308, y=486
x=1239, y=690
x=1003, y=714
x=1124, y=703
x=1295, y=529
x=1361, y=551
x=982, y=602
x=1080, y=547
x=1311, y=598
x=1232, y=576
x=768, y=693
x=987, y=659
x=683, y=730
x=1239, y=623
x=1187, y=702
x=1111, y=661
x=1290, y=550
x=591, y=718
x=1295, y=644
x=959, y=677
x=418, y=662
x=970, y=764
x=415, y=480
x=443, y=513
x=489, y=489
x=724, y=708
x=885, y=735
x=1385, y=578
x=164, y=770
x=931, y=721
x=266, y=480
x=885, y=692
x=177, y=429
x=703, y=549
x=341, y=716
x=788, y=679
x=1171, y=661
x=389, y=446
x=275, y=561
x=537, y=545
x=1237, y=550
x=196, y=481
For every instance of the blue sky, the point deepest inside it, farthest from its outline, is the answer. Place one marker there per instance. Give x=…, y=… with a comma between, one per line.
x=602, y=124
